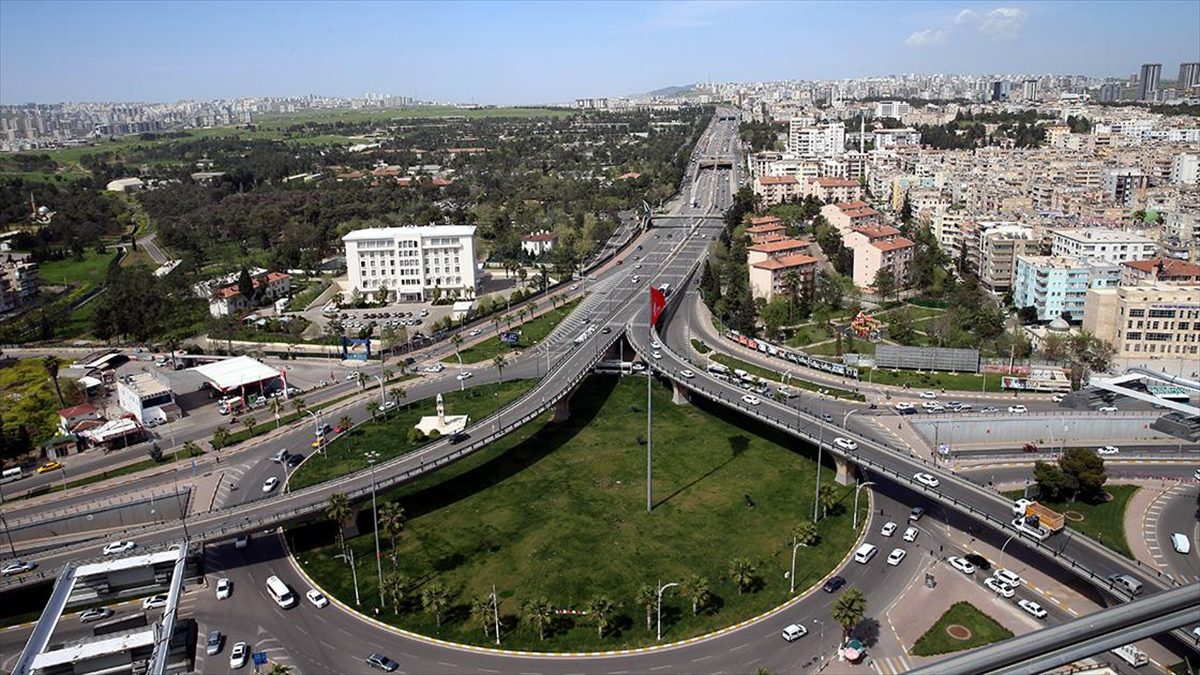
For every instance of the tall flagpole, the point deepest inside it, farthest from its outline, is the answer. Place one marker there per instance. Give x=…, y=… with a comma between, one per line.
x=649, y=443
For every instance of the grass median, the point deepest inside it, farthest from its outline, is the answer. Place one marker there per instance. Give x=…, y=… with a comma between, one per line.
x=558, y=511
x=768, y=374
x=532, y=332
x=390, y=436
x=1104, y=522
x=982, y=629
x=965, y=382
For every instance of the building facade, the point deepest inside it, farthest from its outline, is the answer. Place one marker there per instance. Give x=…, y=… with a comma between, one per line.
x=1160, y=270
x=777, y=189
x=1058, y=286
x=1147, y=320
x=877, y=248
x=412, y=264
x=1101, y=244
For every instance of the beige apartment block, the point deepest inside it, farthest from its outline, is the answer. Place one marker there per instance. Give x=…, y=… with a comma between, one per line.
x=1147, y=320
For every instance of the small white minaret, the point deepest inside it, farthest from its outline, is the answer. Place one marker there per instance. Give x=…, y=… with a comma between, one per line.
x=862, y=130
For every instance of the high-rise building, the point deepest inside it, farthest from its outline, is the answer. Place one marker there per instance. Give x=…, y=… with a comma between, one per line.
x=1029, y=90
x=1110, y=92
x=1148, y=84
x=1189, y=76
x=819, y=142
x=412, y=262
x=1000, y=89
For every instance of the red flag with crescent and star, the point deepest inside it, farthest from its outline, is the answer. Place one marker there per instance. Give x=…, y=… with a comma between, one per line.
x=658, y=301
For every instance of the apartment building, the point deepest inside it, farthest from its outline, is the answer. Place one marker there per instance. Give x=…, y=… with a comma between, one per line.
x=19, y=283
x=1102, y=244
x=886, y=139
x=1148, y=320
x=1160, y=270
x=1058, y=286
x=830, y=190
x=773, y=277
x=846, y=216
x=809, y=140
x=1125, y=186
x=999, y=245
x=409, y=263
x=877, y=247
x=538, y=243
x=228, y=300
x=777, y=189
x=766, y=228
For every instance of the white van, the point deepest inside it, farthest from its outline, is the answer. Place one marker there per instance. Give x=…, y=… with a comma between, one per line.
x=864, y=554
x=1180, y=543
x=280, y=457
x=280, y=593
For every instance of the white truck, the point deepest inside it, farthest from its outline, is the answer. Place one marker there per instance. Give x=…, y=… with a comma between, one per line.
x=1132, y=655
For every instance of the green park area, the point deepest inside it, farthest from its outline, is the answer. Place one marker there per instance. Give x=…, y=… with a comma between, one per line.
x=963, y=626
x=967, y=382
x=532, y=332
x=554, y=516
x=392, y=435
x=84, y=274
x=1103, y=521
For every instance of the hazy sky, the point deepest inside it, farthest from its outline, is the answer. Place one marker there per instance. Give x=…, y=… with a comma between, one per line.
x=532, y=52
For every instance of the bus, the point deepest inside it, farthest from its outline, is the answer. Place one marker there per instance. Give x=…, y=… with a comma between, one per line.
x=280, y=593
x=11, y=475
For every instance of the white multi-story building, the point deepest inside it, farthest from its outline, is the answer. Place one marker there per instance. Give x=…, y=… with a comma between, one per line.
x=1185, y=169
x=409, y=263
x=1101, y=244
x=816, y=141
x=1058, y=286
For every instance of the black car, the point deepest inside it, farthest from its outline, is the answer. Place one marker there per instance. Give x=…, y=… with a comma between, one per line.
x=978, y=561
x=606, y=330
x=459, y=438
x=834, y=584
x=294, y=460
x=382, y=662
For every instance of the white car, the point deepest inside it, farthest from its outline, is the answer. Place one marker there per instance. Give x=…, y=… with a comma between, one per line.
x=350, y=377
x=1058, y=398
x=1007, y=576
x=1032, y=608
x=238, y=657
x=317, y=598
x=999, y=587
x=686, y=373
x=155, y=601
x=932, y=406
x=270, y=484
x=17, y=567
x=889, y=528
x=896, y=556
x=464, y=375
x=1108, y=450
x=926, y=479
x=961, y=565
x=1017, y=410
x=751, y=400
x=654, y=344
x=95, y=614
x=911, y=534
x=657, y=355
x=1108, y=408
x=224, y=588
x=119, y=547
x=794, y=632
x=927, y=394
x=845, y=443
x=435, y=368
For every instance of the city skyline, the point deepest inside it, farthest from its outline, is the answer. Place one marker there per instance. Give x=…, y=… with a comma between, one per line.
x=527, y=53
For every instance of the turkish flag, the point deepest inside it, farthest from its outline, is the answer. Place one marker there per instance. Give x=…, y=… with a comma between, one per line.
x=657, y=302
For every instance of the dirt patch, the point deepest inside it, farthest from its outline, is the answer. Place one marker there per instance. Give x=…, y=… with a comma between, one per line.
x=1074, y=516
x=958, y=632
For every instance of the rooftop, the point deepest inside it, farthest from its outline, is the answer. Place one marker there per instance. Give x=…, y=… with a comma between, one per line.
x=892, y=244
x=77, y=410
x=145, y=385
x=794, y=260
x=778, y=245
x=1102, y=235
x=1165, y=267
x=369, y=233
x=778, y=180
x=232, y=373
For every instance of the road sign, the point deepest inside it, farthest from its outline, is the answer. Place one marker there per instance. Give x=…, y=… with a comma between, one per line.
x=260, y=658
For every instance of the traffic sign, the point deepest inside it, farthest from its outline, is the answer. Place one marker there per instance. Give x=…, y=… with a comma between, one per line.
x=260, y=658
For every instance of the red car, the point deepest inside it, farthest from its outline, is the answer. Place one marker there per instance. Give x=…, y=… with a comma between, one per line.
x=1030, y=447
x=338, y=430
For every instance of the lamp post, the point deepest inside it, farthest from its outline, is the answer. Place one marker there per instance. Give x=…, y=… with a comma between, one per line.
x=382, y=400
x=792, y=574
x=317, y=428
x=353, y=572
x=660, y=594
x=821, y=641
x=860, y=486
x=4, y=522
x=496, y=612
x=372, y=457
x=846, y=417
x=820, y=450
x=1000, y=563
x=461, y=381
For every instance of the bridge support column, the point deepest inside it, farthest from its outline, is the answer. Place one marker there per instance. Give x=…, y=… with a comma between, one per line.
x=679, y=395
x=562, y=410
x=350, y=524
x=845, y=470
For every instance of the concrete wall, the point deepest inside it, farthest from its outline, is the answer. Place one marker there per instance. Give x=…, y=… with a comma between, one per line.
x=1041, y=428
x=162, y=508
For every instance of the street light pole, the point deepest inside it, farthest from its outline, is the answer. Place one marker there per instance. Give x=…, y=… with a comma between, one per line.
x=1000, y=563
x=846, y=417
x=382, y=400
x=792, y=575
x=660, y=594
x=820, y=450
x=4, y=522
x=496, y=612
x=349, y=557
x=860, y=486
x=821, y=641
x=371, y=458
x=317, y=428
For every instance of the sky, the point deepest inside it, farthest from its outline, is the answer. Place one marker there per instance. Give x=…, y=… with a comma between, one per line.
x=552, y=52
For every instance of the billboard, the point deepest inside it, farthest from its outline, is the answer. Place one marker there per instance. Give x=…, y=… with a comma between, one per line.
x=355, y=349
x=927, y=358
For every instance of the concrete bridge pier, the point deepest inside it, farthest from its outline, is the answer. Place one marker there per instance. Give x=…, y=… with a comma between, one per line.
x=562, y=409
x=845, y=470
x=350, y=524
x=679, y=395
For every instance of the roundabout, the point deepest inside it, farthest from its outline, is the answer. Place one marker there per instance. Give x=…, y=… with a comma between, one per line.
x=555, y=518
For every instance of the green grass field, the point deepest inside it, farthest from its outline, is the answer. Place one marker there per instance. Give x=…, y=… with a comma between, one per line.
x=85, y=274
x=1104, y=522
x=532, y=332
x=984, y=631
x=935, y=381
x=282, y=120
x=389, y=437
x=558, y=510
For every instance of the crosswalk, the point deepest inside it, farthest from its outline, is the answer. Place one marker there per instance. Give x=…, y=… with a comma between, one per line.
x=890, y=665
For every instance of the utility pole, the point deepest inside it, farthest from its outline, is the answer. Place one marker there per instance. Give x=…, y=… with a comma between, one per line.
x=820, y=449
x=371, y=458
x=649, y=442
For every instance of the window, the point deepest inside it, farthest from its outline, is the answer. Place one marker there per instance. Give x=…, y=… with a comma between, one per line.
x=1137, y=312
x=1133, y=336
x=1158, y=337
x=1162, y=314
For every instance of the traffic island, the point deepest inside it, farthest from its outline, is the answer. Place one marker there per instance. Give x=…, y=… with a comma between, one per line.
x=961, y=627
x=554, y=515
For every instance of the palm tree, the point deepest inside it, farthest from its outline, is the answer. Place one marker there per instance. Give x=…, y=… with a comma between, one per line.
x=373, y=408
x=499, y=362
x=540, y=614
x=50, y=363
x=827, y=499
x=276, y=408
x=249, y=422
x=521, y=314
x=742, y=573
x=279, y=669
x=220, y=437
x=791, y=282
x=300, y=406
x=457, y=341
x=482, y=613
x=805, y=533
x=190, y=449
x=337, y=509
x=396, y=393
x=395, y=587
x=391, y=523
x=344, y=422
x=647, y=598
x=849, y=610
x=387, y=374
x=602, y=611
x=496, y=322
x=435, y=599
x=533, y=305
x=696, y=589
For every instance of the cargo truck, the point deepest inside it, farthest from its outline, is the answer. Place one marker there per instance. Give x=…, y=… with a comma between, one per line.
x=1047, y=518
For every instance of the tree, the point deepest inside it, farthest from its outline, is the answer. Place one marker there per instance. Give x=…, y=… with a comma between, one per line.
x=457, y=341
x=361, y=378
x=190, y=449
x=220, y=437
x=435, y=598
x=245, y=284
x=1085, y=470
x=647, y=599
x=1087, y=354
x=540, y=614
x=279, y=669
x=1053, y=484
x=483, y=613
x=50, y=363
x=805, y=533
x=344, y=422
x=602, y=611
x=299, y=406
x=276, y=406
x=249, y=422
x=395, y=588
x=155, y=452
x=499, y=362
x=849, y=610
x=791, y=284
x=900, y=325
x=396, y=393
x=373, y=408
x=337, y=509
x=743, y=573
x=827, y=498
x=696, y=589
x=710, y=285
x=906, y=211
x=884, y=283
x=391, y=523
x=775, y=315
